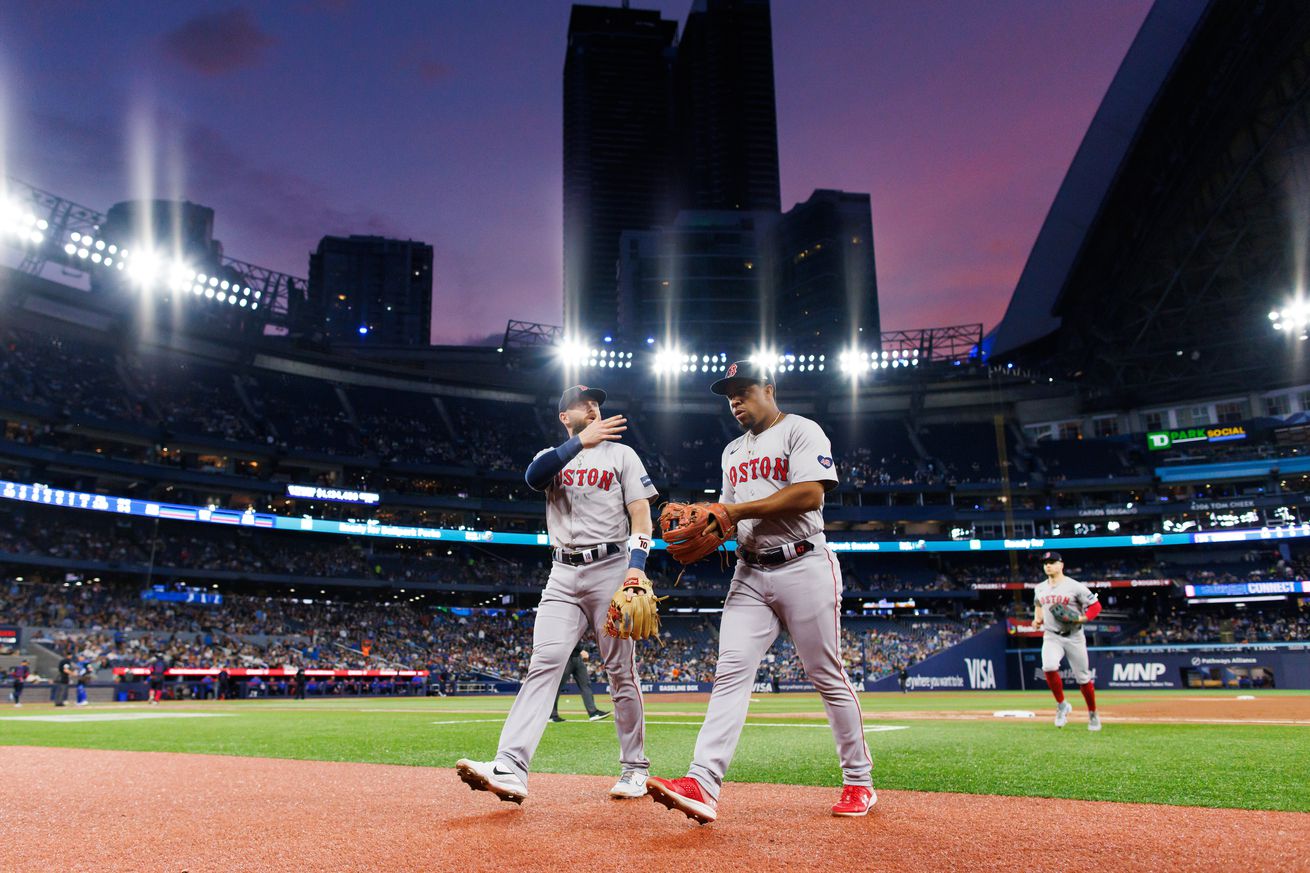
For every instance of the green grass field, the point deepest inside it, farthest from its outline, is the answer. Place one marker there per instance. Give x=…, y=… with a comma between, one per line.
x=1238, y=765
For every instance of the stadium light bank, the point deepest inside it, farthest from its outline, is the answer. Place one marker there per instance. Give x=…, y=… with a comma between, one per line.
x=1293, y=318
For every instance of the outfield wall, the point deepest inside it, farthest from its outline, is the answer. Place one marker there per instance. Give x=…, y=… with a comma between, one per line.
x=1220, y=665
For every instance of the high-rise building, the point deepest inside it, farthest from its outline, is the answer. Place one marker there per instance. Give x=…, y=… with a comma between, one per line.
x=617, y=149
x=826, y=285
x=672, y=207
x=726, y=115
x=704, y=280
x=372, y=289
x=804, y=280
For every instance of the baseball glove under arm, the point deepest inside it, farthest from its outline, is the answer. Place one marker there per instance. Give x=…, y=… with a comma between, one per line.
x=1066, y=615
x=634, y=609
x=693, y=530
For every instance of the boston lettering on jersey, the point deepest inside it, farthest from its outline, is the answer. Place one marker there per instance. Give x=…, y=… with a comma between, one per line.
x=590, y=477
x=759, y=468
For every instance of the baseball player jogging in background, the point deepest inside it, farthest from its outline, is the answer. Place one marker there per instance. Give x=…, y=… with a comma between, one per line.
x=598, y=516
x=774, y=480
x=1062, y=606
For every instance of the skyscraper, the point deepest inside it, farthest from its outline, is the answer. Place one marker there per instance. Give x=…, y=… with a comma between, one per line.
x=672, y=204
x=726, y=115
x=704, y=280
x=617, y=149
x=825, y=280
x=372, y=289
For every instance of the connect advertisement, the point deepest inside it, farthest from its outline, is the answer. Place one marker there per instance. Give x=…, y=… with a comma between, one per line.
x=1249, y=589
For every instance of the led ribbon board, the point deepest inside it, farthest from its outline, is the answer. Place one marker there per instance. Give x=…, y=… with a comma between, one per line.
x=80, y=500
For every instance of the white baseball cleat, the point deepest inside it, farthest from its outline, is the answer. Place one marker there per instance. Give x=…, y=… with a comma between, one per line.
x=631, y=784
x=1093, y=722
x=494, y=777
x=1062, y=713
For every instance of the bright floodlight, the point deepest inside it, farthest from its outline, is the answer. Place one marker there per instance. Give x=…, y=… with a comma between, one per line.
x=572, y=354
x=1292, y=318
x=854, y=362
x=144, y=267
x=667, y=359
x=767, y=358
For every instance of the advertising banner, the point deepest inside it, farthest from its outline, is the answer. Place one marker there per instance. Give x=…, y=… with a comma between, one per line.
x=976, y=663
x=1274, y=665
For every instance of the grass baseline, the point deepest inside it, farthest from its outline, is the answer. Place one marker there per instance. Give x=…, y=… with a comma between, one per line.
x=1228, y=766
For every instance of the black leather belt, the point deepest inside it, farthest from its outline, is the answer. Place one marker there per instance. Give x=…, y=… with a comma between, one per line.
x=586, y=556
x=774, y=557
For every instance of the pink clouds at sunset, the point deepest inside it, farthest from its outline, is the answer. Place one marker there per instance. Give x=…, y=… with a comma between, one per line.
x=442, y=122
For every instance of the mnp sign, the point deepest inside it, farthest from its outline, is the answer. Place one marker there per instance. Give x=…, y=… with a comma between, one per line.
x=1241, y=666
x=977, y=663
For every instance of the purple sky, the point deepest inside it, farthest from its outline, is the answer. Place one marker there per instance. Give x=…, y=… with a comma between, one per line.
x=441, y=122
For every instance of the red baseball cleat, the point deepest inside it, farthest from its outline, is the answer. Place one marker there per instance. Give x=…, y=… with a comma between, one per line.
x=684, y=795
x=856, y=800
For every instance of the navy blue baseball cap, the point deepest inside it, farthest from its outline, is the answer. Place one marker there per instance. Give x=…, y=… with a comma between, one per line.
x=580, y=392
x=739, y=372
x=1049, y=557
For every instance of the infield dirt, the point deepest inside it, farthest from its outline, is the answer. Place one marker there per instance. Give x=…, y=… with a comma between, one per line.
x=163, y=811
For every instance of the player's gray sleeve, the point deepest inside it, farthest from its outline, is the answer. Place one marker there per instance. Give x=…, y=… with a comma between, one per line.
x=810, y=456
x=635, y=480
x=1085, y=596
x=727, y=492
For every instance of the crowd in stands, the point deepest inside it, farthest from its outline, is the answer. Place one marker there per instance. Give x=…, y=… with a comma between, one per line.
x=60, y=377
x=190, y=398
x=62, y=374
x=1205, y=627
x=861, y=466
x=109, y=626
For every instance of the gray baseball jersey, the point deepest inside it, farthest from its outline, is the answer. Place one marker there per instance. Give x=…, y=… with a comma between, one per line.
x=586, y=503
x=794, y=450
x=801, y=596
x=1069, y=592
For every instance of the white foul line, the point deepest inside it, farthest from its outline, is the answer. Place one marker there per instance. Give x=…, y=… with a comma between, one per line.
x=876, y=728
x=74, y=718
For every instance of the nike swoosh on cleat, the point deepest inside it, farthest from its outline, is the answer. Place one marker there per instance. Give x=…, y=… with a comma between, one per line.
x=499, y=772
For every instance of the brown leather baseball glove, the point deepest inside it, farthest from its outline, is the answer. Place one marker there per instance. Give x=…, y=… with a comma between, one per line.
x=634, y=609
x=693, y=530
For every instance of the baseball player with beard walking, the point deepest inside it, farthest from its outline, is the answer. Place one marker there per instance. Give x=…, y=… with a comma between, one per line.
x=598, y=515
x=786, y=578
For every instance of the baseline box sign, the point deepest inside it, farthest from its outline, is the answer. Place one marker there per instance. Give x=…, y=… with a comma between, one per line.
x=977, y=663
x=1162, y=439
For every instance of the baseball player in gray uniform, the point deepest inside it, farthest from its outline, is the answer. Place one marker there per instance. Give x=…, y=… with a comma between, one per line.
x=1062, y=638
x=598, y=515
x=774, y=479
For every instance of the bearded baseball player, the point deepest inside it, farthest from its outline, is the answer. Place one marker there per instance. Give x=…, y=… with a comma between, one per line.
x=774, y=480
x=598, y=516
x=1061, y=607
